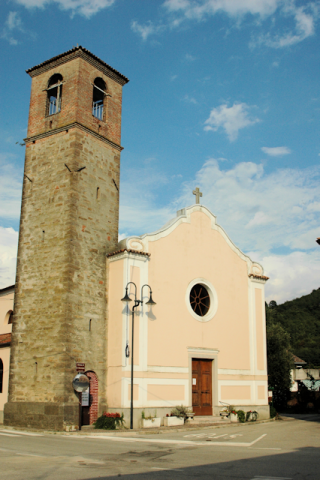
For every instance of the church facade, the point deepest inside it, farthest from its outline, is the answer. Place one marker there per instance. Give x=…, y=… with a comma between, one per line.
x=202, y=345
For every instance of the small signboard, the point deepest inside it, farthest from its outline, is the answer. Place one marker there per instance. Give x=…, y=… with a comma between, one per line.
x=194, y=381
x=85, y=398
x=80, y=367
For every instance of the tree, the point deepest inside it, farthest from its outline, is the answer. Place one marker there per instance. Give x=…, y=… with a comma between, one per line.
x=279, y=361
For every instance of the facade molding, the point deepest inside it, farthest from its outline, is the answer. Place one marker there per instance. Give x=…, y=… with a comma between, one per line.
x=68, y=127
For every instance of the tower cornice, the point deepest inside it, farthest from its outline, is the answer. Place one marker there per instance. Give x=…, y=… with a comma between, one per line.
x=65, y=128
x=78, y=52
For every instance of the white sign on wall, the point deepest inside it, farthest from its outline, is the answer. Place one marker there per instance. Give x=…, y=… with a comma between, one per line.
x=194, y=381
x=85, y=398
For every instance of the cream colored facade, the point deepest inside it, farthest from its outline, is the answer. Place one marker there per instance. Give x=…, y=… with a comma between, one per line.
x=191, y=249
x=6, y=307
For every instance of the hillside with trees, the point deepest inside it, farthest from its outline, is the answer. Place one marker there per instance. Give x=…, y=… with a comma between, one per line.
x=300, y=318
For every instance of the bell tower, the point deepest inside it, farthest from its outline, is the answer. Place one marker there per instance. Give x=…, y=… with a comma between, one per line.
x=69, y=222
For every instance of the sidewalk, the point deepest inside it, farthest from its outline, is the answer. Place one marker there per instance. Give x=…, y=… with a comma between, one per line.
x=90, y=430
x=125, y=432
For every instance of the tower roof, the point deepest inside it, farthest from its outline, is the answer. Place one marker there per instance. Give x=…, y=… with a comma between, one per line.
x=74, y=53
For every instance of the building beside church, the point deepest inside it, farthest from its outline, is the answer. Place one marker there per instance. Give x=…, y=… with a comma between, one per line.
x=202, y=345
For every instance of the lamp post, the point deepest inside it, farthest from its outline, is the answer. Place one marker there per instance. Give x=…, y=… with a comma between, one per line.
x=127, y=299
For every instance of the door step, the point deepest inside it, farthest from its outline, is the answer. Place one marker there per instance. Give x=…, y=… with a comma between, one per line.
x=208, y=419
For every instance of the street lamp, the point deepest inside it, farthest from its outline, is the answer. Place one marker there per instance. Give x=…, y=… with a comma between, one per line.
x=127, y=299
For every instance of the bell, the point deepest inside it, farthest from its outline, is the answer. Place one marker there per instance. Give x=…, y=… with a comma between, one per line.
x=150, y=301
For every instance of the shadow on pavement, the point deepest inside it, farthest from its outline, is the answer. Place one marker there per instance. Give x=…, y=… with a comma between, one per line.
x=301, y=464
x=307, y=417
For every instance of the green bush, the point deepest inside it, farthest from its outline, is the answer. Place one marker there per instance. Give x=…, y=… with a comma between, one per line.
x=109, y=421
x=241, y=416
x=273, y=411
x=253, y=414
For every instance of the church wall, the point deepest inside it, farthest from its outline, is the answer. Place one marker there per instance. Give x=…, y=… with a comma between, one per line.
x=115, y=332
x=260, y=342
x=168, y=336
x=208, y=257
x=6, y=307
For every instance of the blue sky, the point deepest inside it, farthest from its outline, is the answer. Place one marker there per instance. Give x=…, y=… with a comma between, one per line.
x=223, y=94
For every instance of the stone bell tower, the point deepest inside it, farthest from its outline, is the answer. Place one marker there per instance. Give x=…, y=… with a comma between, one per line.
x=69, y=221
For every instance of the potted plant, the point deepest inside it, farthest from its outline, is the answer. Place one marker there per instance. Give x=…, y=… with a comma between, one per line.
x=177, y=417
x=109, y=421
x=151, y=421
x=233, y=416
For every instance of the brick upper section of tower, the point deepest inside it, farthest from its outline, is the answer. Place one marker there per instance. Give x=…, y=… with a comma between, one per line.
x=78, y=68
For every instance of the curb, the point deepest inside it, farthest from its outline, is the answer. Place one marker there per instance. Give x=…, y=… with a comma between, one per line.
x=141, y=431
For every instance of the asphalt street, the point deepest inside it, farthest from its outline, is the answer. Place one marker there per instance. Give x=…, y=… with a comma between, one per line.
x=281, y=450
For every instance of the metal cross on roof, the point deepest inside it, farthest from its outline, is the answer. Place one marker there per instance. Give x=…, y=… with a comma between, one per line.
x=198, y=194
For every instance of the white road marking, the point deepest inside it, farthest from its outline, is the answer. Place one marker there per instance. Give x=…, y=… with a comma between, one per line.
x=29, y=455
x=171, y=469
x=9, y=435
x=236, y=435
x=261, y=448
x=272, y=478
x=13, y=432
x=174, y=442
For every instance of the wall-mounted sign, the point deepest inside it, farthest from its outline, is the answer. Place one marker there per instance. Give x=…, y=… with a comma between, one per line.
x=80, y=367
x=80, y=382
x=85, y=398
x=194, y=381
x=270, y=393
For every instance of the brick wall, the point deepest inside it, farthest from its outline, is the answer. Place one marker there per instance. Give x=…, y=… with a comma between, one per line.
x=94, y=394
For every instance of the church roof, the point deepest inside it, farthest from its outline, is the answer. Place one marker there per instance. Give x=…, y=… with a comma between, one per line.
x=5, y=339
x=136, y=252
x=74, y=53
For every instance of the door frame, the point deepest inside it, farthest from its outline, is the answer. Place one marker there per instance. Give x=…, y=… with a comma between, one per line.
x=205, y=354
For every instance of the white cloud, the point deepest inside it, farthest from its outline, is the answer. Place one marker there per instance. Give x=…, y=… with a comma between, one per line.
x=87, y=8
x=189, y=99
x=145, y=30
x=8, y=256
x=276, y=151
x=198, y=9
x=304, y=27
x=304, y=18
x=279, y=209
x=290, y=276
x=12, y=23
x=260, y=218
x=10, y=190
x=231, y=119
x=189, y=58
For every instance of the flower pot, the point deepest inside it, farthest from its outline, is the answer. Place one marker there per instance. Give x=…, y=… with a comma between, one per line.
x=172, y=421
x=151, y=423
x=234, y=418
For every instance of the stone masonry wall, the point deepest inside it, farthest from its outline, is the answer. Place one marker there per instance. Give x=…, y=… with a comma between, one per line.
x=69, y=221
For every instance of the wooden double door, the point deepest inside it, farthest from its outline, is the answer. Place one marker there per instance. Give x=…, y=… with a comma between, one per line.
x=202, y=386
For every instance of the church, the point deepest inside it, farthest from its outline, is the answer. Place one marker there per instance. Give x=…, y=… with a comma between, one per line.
x=173, y=317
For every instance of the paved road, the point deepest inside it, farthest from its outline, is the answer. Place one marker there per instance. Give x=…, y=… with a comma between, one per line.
x=280, y=450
